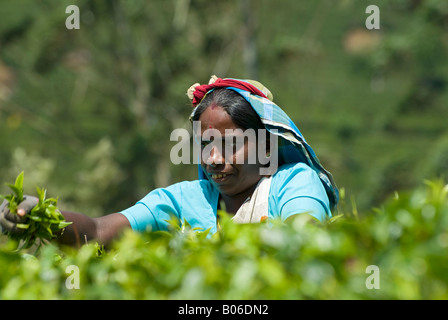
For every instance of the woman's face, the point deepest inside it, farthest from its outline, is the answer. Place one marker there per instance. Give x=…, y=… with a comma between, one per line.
x=227, y=164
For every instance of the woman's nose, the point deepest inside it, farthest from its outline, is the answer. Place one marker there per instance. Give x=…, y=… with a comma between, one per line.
x=215, y=157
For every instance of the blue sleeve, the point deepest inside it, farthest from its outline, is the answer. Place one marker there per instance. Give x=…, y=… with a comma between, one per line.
x=155, y=209
x=295, y=189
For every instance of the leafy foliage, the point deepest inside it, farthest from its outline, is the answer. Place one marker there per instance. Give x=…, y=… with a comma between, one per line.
x=407, y=238
x=43, y=222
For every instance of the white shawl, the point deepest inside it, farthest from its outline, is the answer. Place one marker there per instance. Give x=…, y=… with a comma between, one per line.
x=256, y=208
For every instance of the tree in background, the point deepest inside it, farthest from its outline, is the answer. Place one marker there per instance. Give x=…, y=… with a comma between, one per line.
x=88, y=113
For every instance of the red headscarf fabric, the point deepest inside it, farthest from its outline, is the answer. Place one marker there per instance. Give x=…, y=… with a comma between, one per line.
x=201, y=90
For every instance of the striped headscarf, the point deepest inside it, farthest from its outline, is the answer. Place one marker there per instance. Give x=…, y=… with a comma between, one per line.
x=292, y=146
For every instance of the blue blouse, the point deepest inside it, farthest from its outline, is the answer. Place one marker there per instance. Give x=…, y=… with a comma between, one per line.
x=295, y=188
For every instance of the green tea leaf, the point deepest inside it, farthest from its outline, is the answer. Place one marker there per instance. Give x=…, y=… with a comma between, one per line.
x=18, y=192
x=63, y=224
x=19, y=181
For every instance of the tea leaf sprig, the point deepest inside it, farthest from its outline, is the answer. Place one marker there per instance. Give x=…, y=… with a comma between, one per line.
x=44, y=222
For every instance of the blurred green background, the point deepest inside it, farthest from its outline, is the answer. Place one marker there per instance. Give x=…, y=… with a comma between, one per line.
x=88, y=113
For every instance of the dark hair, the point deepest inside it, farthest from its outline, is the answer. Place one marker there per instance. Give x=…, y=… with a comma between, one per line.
x=241, y=112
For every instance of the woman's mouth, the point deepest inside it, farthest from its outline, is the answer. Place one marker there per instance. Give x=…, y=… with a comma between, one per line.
x=218, y=177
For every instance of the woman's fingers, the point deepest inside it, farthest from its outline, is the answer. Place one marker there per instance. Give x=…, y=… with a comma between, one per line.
x=26, y=206
x=9, y=220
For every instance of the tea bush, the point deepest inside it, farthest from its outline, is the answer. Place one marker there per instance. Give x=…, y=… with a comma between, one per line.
x=406, y=239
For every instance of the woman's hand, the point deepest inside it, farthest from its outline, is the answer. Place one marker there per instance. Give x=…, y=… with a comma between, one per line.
x=9, y=220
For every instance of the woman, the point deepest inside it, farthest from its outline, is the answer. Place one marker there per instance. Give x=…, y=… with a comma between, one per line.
x=299, y=185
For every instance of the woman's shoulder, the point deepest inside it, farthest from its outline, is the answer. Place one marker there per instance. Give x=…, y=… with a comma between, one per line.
x=296, y=187
x=287, y=169
x=299, y=178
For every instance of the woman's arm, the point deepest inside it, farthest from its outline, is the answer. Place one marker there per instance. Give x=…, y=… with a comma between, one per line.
x=83, y=228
